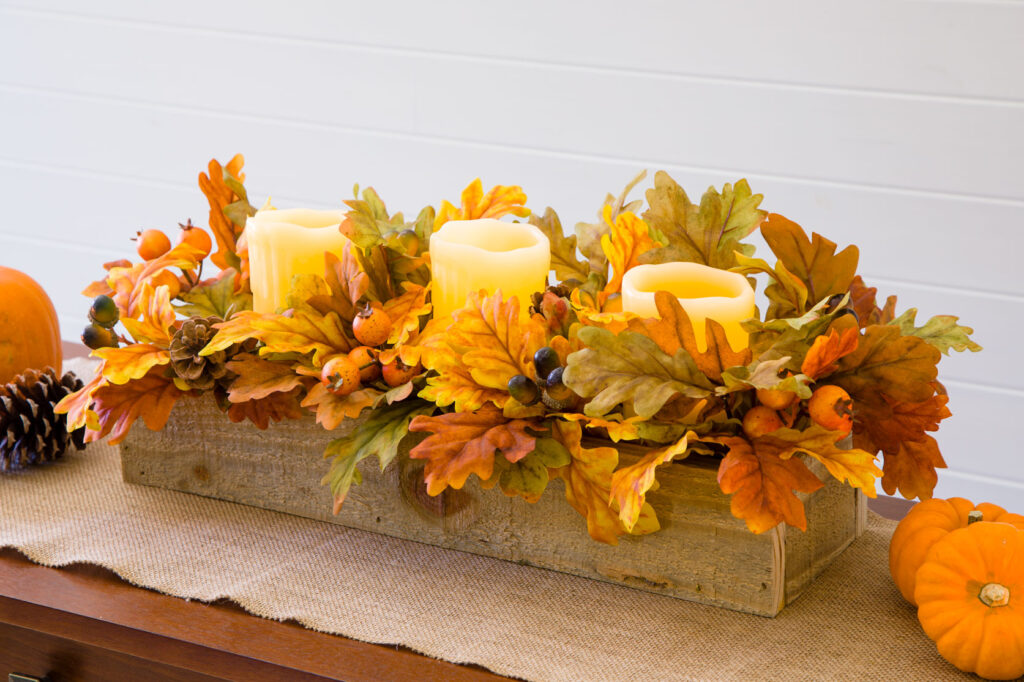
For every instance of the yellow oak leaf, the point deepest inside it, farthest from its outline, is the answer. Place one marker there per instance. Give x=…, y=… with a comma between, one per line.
x=405, y=312
x=332, y=410
x=628, y=238
x=588, y=482
x=464, y=443
x=851, y=465
x=239, y=328
x=150, y=398
x=155, y=316
x=258, y=378
x=630, y=484
x=673, y=330
x=127, y=363
x=500, y=200
x=273, y=407
x=617, y=429
x=306, y=331
x=824, y=354
x=78, y=405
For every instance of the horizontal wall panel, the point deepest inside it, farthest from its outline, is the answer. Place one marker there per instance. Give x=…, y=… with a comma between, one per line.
x=948, y=242
x=916, y=47
x=746, y=128
x=1006, y=494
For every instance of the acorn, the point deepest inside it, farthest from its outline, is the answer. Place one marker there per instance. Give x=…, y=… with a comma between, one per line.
x=94, y=336
x=557, y=395
x=545, y=361
x=524, y=390
x=104, y=312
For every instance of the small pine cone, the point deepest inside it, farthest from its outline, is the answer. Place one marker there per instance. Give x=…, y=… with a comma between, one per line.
x=30, y=432
x=199, y=372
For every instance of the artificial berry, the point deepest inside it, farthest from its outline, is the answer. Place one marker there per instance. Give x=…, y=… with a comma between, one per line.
x=410, y=241
x=832, y=408
x=397, y=372
x=196, y=237
x=761, y=420
x=545, y=361
x=94, y=336
x=152, y=244
x=104, y=312
x=524, y=390
x=372, y=326
x=776, y=399
x=340, y=375
x=167, y=278
x=366, y=360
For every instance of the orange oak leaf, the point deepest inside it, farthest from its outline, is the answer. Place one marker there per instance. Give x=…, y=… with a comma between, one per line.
x=220, y=196
x=588, y=483
x=258, y=378
x=150, y=398
x=862, y=300
x=126, y=282
x=673, y=330
x=273, y=407
x=881, y=423
x=902, y=366
x=102, y=286
x=762, y=483
x=486, y=345
x=912, y=470
x=127, y=363
x=78, y=405
x=500, y=200
x=464, y=443
x=630, y=484
x=617, y=429
x=405, y=312
x=156, y=316
x=628, y=238
x=332, y=410
x=347, y=284
x=814, y=261
x=849, y=465
x=826, y=350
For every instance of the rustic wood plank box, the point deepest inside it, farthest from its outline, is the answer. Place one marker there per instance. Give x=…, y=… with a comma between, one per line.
x=702, y=553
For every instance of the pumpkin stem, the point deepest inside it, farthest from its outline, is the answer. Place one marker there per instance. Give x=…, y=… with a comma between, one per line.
x=974, y=516
x=994, y=594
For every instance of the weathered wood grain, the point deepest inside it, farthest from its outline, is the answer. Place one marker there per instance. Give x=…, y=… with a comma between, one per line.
x=702, y=552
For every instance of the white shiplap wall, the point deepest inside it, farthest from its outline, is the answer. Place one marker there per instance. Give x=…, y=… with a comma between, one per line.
x=898, y=126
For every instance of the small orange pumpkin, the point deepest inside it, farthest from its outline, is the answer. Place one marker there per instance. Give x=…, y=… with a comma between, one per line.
x=29, y=332
x=927, y=523
x=970, y=589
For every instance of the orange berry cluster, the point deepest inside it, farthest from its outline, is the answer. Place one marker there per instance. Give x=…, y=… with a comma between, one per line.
x=829, y=406
x=343, y=374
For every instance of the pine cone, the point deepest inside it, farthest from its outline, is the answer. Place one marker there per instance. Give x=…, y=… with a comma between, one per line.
x=197, y=371
x=30, y=433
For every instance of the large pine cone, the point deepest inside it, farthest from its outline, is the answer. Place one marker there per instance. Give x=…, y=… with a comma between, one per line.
x=30, y=433
x=195, y=370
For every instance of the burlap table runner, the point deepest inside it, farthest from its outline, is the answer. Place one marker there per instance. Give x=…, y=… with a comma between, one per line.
x=515, y=620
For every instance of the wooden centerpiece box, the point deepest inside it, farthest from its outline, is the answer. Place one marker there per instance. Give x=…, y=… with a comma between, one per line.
x=702, y=553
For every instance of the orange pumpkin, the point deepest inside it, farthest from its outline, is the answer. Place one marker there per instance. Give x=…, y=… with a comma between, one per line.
x=927, y=523
x=29, y=332
x=970, y=590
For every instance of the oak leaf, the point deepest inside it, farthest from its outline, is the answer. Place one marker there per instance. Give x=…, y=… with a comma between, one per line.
x=672, y=330
x=150, y=398
x=131, y=362
x=379, y=436
x=306, y=331
x=215, y=298
x=405, y=312
x=630, y=368
x=588, y=482
x=709, y=233
x=332, y=410
x=126, y=283
x=155, y=316
x=850, y=465
x=786, y=293
x=862, y=300
x=614, y=425
x=882, y=423
x=273, y=407
x=905, y=366
x=367, y=221
x=911, y=471
x=346, y=284
x=762, y=484
x=630, y=484
x=229, y=206
x=258, y=378
x=500, y=200
x=563, y=249
x=78, y=405
x=464, y=443
x=627, y=240
x=813, y=261
x=823, y=356
x=941, y=331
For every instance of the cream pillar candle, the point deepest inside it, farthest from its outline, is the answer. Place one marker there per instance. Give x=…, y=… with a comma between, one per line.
x=469, y=255
x=283, y=243
x=703, y=292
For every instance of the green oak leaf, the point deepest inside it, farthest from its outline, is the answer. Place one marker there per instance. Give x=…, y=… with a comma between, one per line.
x=630, y=368
x=942, y=332
x=563, y=249
x=218, y=298
x=368, y=223
x=378, y=436
x=708, y=233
